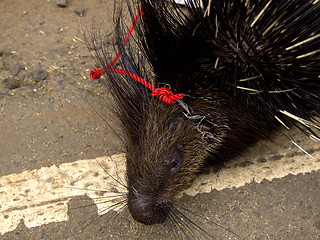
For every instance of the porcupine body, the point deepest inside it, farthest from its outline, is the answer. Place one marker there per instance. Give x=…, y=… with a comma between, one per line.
x=245, y=67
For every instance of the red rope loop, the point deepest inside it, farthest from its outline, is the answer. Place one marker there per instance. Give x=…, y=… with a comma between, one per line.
x=96, y=73
x=164, y=94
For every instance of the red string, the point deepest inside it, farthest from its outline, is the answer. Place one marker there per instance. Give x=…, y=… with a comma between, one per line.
x=128, y=36
x=164, y=94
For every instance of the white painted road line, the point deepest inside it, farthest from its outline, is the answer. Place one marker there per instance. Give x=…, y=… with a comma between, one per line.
x=41, y=196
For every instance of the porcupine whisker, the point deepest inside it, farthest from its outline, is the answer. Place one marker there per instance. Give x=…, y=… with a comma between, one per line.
x=122, y=181
x=104, y=197
x=189, y=225
x=112, y=198
x=96, y=216
x=101, y=190
x=118, y=207
x=187, y=228
x=94, y=190
x=173, y=228
x=102, y=202
x=180, y=225
x=112, y=215
x=120, y=197
x=118, y=179
x=93, y=219
x=206, y=219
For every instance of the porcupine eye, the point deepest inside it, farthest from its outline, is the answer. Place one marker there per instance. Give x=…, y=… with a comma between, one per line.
x=173, y=160
x=175, y=167
x=172, y=167
x=175, y=164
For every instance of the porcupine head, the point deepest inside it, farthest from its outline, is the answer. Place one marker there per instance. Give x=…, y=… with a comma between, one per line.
x=164, y=150
x=166, y=145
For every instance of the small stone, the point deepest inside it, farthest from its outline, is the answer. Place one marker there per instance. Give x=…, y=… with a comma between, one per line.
x=245, y=164
x=11, y=83
x=62, y=3
x=59, y=88
x=80, y=11
x=237, y=210
x=40, y=75
x=5, y=54
x=317, y=225
x=15, y=69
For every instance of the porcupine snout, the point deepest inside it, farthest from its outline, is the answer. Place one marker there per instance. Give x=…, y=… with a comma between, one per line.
x=147, y=209
x=157, y=170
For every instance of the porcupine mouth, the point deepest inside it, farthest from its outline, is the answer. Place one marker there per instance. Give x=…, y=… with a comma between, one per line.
x=146, y=211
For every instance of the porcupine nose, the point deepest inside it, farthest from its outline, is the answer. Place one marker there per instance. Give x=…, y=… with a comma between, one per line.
x=148, y=210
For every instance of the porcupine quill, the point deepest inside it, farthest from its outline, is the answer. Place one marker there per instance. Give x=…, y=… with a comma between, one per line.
x=245, y=68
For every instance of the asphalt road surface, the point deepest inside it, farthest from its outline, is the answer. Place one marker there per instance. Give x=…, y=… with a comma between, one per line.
x=55, y=147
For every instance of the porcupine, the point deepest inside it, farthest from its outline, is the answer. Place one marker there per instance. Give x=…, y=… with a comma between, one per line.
x=245, y=67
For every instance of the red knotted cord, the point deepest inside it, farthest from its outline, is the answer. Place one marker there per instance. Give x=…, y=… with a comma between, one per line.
x=164, y=94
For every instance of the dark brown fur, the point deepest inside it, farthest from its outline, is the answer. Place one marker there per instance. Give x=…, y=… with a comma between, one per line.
x=165, y=145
